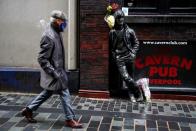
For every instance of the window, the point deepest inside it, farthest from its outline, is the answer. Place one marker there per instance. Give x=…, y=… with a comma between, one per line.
x=161, y=6
x=141, y=6
x=182, y=6
x=142, y=3
x=180, y=3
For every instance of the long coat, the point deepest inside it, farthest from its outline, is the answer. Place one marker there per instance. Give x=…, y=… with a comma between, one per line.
x=51, y=59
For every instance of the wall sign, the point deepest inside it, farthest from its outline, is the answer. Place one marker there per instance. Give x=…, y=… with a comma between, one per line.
x=167, y=63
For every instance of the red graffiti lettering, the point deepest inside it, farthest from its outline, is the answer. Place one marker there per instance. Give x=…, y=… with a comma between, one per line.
x=186, y=64
x=149, y=61
x=163, y=71
x=163, y=60
x=175, y=60
x=139, y=64
x=165, y=82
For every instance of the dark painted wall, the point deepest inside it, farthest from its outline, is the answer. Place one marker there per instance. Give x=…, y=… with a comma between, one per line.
x=28, y=80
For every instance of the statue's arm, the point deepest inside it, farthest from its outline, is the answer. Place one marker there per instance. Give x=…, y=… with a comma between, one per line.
x=135, y=42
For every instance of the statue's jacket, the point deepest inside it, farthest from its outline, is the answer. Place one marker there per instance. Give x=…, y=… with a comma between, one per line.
x=130, y=42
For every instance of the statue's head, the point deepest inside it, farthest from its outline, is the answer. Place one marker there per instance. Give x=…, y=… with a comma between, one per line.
x=119, y=17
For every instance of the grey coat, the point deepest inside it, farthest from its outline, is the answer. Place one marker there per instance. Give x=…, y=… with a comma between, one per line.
x=51, y=60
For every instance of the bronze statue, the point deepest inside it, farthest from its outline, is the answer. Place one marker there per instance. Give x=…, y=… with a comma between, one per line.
x=124, y=46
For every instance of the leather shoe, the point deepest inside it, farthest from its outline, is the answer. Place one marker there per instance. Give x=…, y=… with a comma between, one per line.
x=140, y=99
x=27, y=113
x=73, y=124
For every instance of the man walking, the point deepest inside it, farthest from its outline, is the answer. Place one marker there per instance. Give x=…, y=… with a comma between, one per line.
x=53, y=75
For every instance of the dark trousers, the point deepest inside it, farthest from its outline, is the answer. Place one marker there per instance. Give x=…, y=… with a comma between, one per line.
x=126, y=70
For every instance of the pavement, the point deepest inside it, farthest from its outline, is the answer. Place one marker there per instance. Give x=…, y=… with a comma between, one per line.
x=99, y=114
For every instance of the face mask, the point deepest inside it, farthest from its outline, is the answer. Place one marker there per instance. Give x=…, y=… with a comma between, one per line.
x=63, y=25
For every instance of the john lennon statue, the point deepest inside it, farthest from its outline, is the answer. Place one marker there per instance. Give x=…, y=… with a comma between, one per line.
x=124, y=46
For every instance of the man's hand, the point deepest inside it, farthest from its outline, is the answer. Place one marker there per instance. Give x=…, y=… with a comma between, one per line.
x=132, y=56
x=61, y=75
x=57, y=74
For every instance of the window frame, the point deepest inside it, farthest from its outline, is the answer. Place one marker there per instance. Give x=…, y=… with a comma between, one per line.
x=163, y=7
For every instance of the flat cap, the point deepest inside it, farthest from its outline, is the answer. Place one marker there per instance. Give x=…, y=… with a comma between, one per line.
x=57, y=14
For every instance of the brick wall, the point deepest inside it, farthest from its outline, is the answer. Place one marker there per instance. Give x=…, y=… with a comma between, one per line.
x=93, y=45
x=94, y=52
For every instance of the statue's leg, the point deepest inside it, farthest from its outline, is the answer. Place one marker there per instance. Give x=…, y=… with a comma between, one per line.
x=130, y=69
x=128, y=79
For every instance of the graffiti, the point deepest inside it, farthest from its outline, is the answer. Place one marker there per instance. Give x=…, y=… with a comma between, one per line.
x=163, y=60
x=165, y=82
x=163, y=66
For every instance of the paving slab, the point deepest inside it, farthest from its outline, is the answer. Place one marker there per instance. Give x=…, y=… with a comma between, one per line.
x=99, y=114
